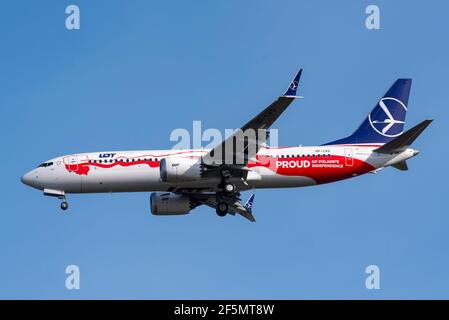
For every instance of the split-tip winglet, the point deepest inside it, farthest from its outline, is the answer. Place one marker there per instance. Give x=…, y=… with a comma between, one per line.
x=249, y=203
x=293, y=87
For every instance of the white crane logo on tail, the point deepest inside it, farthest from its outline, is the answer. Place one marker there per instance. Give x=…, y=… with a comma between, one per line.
x=385, y=122
x=294, y=85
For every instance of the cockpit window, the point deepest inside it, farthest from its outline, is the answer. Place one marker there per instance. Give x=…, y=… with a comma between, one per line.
x=45, y=164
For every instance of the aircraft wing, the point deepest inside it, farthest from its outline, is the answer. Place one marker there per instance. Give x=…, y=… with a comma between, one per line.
x=233, y=201
x=253, y=134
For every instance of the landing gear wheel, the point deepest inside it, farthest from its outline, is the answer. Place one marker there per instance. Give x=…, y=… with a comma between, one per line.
x=229, y=188
x=222, y=209
x=64, y=205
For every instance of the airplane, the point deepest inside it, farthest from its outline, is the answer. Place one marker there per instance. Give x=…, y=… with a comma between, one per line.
x=182, y=180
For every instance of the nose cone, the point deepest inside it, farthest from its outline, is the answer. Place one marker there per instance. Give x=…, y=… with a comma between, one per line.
x=30, y=179
x=26, y=179
x=415, y=152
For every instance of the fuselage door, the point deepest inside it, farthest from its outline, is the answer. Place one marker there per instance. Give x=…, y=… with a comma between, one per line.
x=71, y=163
x=349, y=160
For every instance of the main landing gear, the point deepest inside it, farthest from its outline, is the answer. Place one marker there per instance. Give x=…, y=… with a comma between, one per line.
x=225, y=185
x=222, y=209
x=228, y=192
x=229, y=188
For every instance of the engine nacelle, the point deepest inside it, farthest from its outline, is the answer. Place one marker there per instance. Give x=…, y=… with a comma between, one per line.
x=168, y=203
x=178, y=169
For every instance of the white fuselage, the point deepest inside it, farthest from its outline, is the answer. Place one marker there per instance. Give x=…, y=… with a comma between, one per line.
x=133, y=171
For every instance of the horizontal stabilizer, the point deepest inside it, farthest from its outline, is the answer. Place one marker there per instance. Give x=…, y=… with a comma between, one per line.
x=402, y=142
x=401, y=166
x=248, y=215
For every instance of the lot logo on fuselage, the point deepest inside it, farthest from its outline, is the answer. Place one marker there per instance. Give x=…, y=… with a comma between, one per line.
x=106, y=155
x=388, y=120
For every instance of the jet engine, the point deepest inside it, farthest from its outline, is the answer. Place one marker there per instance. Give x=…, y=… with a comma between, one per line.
x=168, y=203
x=178, y=169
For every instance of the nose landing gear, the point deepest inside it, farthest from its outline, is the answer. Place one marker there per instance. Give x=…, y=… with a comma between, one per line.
x=60, y=194
x=64, y=205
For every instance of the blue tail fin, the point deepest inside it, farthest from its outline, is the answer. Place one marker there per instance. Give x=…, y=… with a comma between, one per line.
x=386, y=120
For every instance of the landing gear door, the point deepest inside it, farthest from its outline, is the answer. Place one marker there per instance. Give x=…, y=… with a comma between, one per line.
x=71, y=163
x=349, y=160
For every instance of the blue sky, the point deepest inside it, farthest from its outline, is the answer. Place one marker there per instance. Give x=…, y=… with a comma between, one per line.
x=136, y=70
